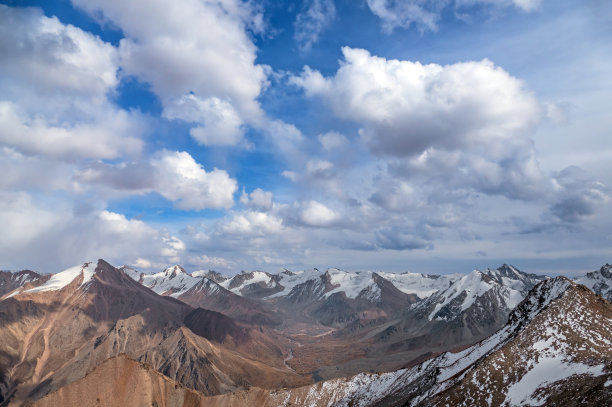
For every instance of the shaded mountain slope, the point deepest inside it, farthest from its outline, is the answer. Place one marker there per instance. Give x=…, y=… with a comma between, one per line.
x=10, y=281
x=210, y=295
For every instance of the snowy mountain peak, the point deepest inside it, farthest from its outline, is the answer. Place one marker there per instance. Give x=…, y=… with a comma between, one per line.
x=599, y=281
x=212, y=275
x=174, y=271
x=60, y=280
x=173, y=281
x=539, y=298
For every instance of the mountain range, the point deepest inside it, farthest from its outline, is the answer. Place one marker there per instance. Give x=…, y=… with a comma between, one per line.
x=309, y=337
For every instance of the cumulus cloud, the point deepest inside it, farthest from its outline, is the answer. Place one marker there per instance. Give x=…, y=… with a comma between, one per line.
x=406, y=107
x=49, y=239
x=220, y=124
x=20, y=171
x=315, y=17
x=316, y=214
x=183, y=181
x=137, y=176
x=192, y=50
x=287, y=139
x=258, y=199
x=465, y=125
x=332, y=140
x=579, y=197
x=36, y=135
x=173, y=174
x=397, y=197
x=54, y=88
x=251, y=223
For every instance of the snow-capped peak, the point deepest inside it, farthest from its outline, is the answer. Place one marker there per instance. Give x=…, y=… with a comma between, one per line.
x=173, y=281
x=539, y=298
x=174, y=271
x=470, y=287
x=600, y=281
x=63, y=278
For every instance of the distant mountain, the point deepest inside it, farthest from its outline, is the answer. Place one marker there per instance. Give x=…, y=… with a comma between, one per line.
x=471, y=308
x=600, y=281
x=173, y=281
x=210, y=295
x=11, y=280
x=211, y=275
x=547, y=353
x=254, y=284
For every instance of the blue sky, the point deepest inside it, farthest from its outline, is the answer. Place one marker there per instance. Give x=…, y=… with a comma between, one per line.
x=421, y=135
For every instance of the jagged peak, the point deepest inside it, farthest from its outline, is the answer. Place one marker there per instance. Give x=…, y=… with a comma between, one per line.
x=174, y=270
x=606, y=270
x=539, y=298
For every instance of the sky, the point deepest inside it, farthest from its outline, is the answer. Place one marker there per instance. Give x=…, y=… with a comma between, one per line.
x=431, y=136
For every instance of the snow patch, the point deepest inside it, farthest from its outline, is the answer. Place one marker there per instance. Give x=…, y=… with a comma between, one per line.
x=352, y=283
x=63, y=278
x=420, y=284
x=472, y=284
x=290, y=281
x=547, y=371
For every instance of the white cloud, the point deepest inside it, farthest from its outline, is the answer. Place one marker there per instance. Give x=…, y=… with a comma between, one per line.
x=49, y=238
x=403, y=13
x=54, y=87
x=35, y=135
x=291, y=175
x=320, y=169
x=406, y=107
x=258, y=199
x=141, y=263
x=287, y=139
x=313, y=213
x=220, y=124
x=211, y=262
x=21, y=171
x=183, y=181
x=192, y=48
x=312, y=21
x=425, y=14
x=45, y=56
x=173, y=174
x=577, y=197
x=251, y=223
x=397, y=197
x=332, y=140
x=525, y=5
x=396, y=239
